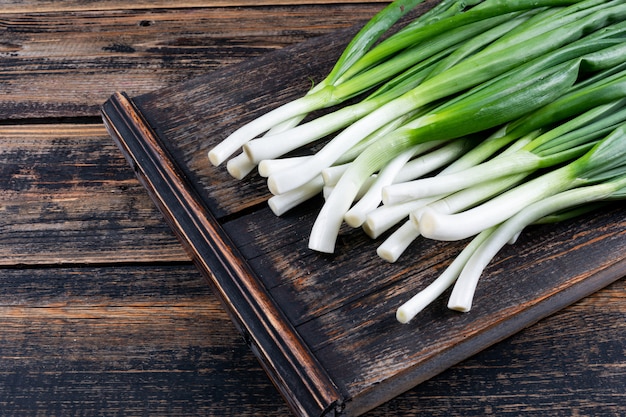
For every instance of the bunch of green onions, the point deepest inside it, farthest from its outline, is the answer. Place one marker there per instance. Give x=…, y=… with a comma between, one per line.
x=476, y=118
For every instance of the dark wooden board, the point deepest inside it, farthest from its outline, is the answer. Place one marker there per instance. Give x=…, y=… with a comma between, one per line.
x=62, y=63
x=323, y=326
x=43, y=6
x=67, y=196
x=123, y=340
x=153, y=339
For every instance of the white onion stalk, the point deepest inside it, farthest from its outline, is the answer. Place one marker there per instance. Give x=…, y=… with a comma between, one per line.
x=333, y=173
x=425, y=297
x=491, y=242
x=274, y=146
x=425, y=164
x=605, y=157
x=269, y=166
x=356, y=216
x=262, y=124
x=383, y=218
x=282, y=203
x=438, y=225
x=394, y=246
x=328, y=189
x=325, y=157
x=240, y=166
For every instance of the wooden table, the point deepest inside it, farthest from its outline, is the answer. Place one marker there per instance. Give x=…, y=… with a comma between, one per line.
x=102, y=312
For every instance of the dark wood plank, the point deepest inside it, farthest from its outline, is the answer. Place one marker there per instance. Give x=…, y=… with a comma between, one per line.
x=264, y=86
x=304, y=384
x=128, y=340
x=68, y=196
x=155, y=340
x=571, y=363
x=59, y=64
x=353, y=330
x=31, y=6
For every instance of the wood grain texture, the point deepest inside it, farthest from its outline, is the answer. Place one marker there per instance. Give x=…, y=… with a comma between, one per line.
x=304, y=384
x=60, y=64
x=108, y=317
x=70, y=197
x=123, y=341
x=154, y=339
x=17, y=6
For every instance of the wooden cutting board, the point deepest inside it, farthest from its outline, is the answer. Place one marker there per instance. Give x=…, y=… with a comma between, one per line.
x=323, y=326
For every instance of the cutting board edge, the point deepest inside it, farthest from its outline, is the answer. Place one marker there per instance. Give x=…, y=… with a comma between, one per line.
x=293, y=369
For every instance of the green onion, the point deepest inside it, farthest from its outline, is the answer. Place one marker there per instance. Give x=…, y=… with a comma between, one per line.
x=419, y=301
x=463, y=291
x=322, y=95
x=477, y=118
x=480, y=67
x=466, y=269
x=464, y=117
x=559, y=145
x=420, y=60
x=606, y=159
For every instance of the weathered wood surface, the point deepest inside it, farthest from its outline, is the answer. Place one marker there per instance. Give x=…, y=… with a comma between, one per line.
x=18, y=6
x=101, y=310
x=69, y=197
x=65, y=64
